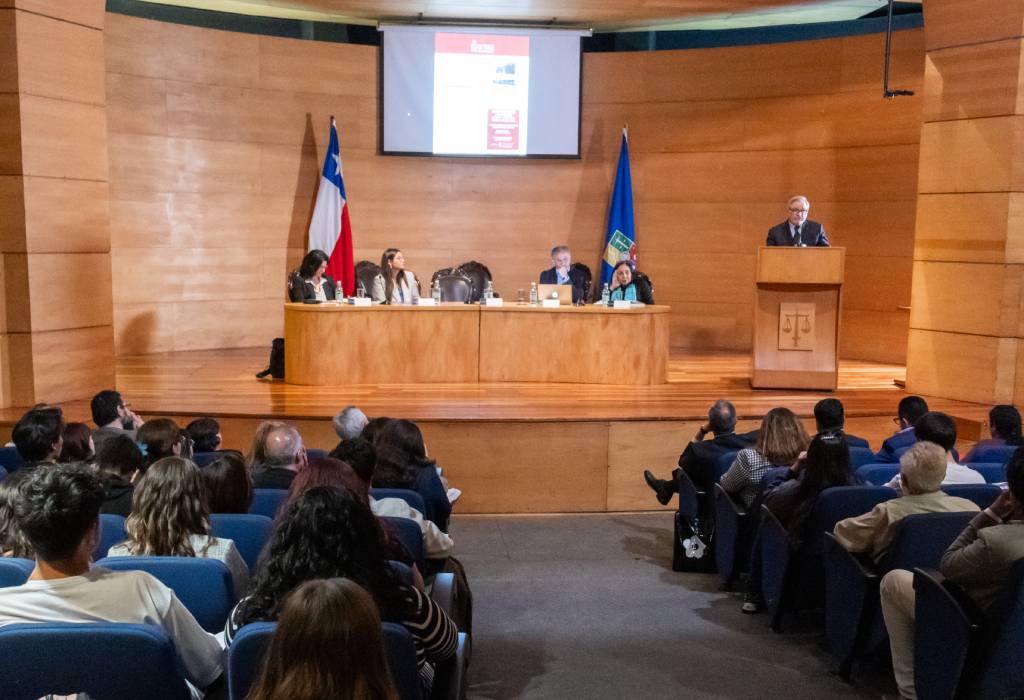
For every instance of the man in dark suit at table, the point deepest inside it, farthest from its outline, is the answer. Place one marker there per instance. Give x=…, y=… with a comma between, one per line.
x=562, y=273
x=798, y=230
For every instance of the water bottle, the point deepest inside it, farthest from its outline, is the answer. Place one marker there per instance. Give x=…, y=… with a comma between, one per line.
x=488, y=291
x=339, y=294
x=533, y=293
x=436, y=292
x=606, y=295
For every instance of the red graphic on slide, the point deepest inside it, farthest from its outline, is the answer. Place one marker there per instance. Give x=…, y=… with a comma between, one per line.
x=485, y=44
x=502, y=129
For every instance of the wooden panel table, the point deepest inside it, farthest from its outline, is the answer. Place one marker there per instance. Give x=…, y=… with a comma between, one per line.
x=584, y=345
x=331, y=344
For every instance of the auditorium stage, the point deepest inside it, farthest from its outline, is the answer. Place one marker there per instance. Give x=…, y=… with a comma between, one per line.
x=513, y=447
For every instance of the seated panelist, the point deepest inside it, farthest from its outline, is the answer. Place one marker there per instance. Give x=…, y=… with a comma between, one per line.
x=395, y=284
x=798, y=230
x=311, y=281
x=561, y=273
x=629, y=285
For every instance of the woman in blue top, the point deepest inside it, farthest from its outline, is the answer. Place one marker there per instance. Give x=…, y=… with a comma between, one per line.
x=630, y=285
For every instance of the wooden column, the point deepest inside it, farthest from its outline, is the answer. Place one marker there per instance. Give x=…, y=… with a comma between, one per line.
x=966, y=321
x=56, y=329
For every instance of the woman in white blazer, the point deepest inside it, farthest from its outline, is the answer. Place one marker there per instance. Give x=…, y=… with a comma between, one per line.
x=395, y=284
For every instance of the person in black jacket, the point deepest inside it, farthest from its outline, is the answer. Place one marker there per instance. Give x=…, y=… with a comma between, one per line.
x=118, y=462
x=700, y=458
x=312, y=281
x=629, y=284
x=562, y=273
x=797, y=230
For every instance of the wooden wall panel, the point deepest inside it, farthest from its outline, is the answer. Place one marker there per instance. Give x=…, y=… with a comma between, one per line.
x=66, y=216
x=970, y=82
x=84, y=12
x=60, y=60
x=10, y=134
x=8, y=52
x=981, y=368
x=940, y=287
x=46, y=148
x=216, y=141
x=975, y=155
x=959, y=22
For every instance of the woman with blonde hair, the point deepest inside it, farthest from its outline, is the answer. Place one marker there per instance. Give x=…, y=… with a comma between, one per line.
x=781, y=440
x=170, y=518
x=328, y=644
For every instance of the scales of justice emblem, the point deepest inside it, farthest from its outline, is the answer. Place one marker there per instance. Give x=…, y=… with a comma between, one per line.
x=796, y=326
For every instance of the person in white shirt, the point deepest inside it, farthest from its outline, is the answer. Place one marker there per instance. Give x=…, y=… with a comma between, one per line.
x=940, y=429
x=170, y=518
x=58, y=510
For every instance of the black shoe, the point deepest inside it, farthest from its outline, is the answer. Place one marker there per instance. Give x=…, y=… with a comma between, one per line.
x=753, y=603
x=662, y=489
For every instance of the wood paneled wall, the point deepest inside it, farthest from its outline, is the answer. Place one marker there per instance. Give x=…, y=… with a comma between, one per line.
x=215, y=141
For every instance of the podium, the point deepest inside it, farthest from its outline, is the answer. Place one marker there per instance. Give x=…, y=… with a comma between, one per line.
x=796, y=318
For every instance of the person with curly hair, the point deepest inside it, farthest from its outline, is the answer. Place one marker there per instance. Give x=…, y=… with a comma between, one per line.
x=329, y=533
x=13, y=542
x=170, y=518
x=328, y=644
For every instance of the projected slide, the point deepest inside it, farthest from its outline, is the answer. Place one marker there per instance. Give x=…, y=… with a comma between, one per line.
x=481, y=94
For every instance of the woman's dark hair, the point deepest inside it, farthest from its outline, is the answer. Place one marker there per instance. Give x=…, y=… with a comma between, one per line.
x=168, y=507
x=36, y=432
x=400, y=454
x=77, y=447
x=328, y=644
x=390, y=275
x=119, y=455
x=1015, y=475
x=56, y=506
x=311, y=263
x=374, y=427
x=628, y=263
x=158, y=438
x=1005, y=420
x=358, y=454
x=228, y=483
x=827, y=465
x=12, y=540
x=325, y=533
x=205, y=434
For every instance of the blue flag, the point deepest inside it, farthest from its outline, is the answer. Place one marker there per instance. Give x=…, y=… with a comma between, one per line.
x=620, y=242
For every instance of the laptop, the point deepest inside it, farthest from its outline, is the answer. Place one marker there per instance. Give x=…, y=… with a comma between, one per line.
x=550, y=291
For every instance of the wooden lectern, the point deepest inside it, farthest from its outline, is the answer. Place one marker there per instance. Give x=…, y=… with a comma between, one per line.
x=796, y=318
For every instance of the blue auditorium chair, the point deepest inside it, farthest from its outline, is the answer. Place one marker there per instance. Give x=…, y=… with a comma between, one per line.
x=15, y=571
x=994, y=472
x=101, y=659
x=413, y=498
x=732, y=537
x=986, y=453
x=980, y=652
x=859, y=456
x=111, y=532
x=202, y=585
x=10, y=460
x=853, y=614
x=201, y=459
x=250, y=533
x=695, y=512
x=410, y=535
x=267, y=502
x=877, y=474
x=315, y=453
x=981, y=494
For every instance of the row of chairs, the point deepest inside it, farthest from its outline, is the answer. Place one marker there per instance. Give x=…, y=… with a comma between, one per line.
x=881, y=474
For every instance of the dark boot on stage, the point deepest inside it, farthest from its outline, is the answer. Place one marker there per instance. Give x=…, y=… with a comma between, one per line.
x=662, y=489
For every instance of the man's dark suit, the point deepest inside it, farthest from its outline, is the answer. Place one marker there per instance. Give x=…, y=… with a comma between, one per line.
x=811, y=234
x=579, y=291
x=700, y=459
x=895, y=446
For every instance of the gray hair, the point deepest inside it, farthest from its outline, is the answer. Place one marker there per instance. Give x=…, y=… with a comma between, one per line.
x=799, y=198
x=283, y=446
x=922, y=468
x=559, y=249
x=349, y=423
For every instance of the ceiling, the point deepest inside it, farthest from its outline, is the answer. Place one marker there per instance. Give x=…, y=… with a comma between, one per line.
x=604, y=15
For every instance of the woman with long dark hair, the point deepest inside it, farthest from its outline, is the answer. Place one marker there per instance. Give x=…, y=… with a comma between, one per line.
x=402, y=463
x=328, y=533
x=1005, y=427
x=78, y=445
x=328, y=644
x=792, y=494
x=228, y=483
x=170, y=518
x=312, y=282
x=395, y=284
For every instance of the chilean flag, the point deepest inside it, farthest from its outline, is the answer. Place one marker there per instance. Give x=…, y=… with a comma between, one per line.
x=330, y=230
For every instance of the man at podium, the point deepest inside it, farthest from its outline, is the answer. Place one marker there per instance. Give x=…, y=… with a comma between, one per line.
x=798, y=230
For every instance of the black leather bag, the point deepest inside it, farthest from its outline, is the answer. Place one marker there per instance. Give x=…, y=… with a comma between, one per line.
x=276, y=366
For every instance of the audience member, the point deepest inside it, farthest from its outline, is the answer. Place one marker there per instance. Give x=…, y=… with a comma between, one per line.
x=349, y=423
x=39, y=436
x=630, y=285
x=328, y=644
x=13, y=542
x=908, y=411
x=112, y=416
x=162, y=437
x=700, y=458
x=922, y=467
x=780, y=442
x=373, y=428
x=1004, y=426
x=277, y=455
x=402, y=463
x=204, y=434
x=58, y=511
x=77, y=444
x=830, y=417
x=119, y=463
x=228, y=483
x=940, y=429
x=329, y=533
x=170, y=518
x=360, y=455
x=979, y=561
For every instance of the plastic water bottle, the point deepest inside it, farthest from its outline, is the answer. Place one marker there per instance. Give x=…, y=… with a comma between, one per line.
x=436, y=292
x=339, y=294
x=488, y=291
x=533, y=294
x=606, y=295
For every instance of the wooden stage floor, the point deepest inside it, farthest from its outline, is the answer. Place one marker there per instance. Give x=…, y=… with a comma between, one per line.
x=514, y=447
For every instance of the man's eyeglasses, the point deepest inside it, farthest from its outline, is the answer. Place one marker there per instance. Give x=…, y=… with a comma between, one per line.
x=799, y=211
